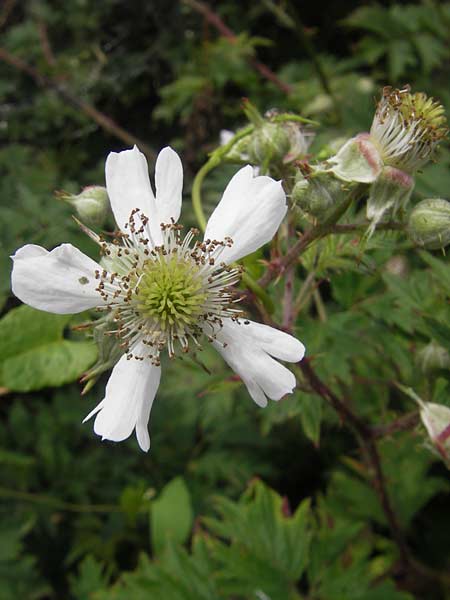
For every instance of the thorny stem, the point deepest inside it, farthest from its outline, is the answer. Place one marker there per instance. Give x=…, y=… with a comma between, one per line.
x=403, y=423
x=288, y=298
x=213, y=18
x=352, y=227
x=293, y=22
x=364, y=433
x=100, y=118
x=367, y=438
x=315, y=233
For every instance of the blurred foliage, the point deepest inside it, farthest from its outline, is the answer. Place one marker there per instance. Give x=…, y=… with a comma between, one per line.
x=207, y=514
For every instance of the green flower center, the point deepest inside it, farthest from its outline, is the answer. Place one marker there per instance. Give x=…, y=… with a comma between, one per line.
x=419, y=108
x=171, y=291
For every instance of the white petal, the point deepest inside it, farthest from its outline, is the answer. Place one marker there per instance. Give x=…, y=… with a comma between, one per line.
x=169, y=185
x=128, y=399
x=250, y=212
x=61, y=281
x=249, y=349
x=275, y=342
x=128, y=185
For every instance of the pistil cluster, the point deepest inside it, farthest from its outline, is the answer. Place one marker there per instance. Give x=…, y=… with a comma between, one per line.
x=165, y=296
x=407, y=128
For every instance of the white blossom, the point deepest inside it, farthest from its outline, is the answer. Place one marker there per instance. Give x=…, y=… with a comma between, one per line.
x=165, y=292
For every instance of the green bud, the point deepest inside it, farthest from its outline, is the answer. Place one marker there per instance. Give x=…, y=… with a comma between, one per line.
x=269, y=143
x=429, y=224
x=357, y=160
x=318, y=195
x=91, y=204
x=391, y=191
x=433, y=358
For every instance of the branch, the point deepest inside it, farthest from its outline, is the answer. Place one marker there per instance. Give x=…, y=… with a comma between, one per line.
x=289, y=313
x=45, y=43
x=213, y=18
x=408, y=421
x=351, y=227
x=318, y=231
x=293, y=22
x=6, y=11
x=100, y=118
x=364, y=432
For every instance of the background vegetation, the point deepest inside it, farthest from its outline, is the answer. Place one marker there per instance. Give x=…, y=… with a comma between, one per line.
x=232, y=501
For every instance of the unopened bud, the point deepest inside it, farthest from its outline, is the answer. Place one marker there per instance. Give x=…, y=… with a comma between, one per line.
x=436, y=419
x=318, y=195
x=357, y=160
x=269, y=143
x=429, y=224
x=391, y=190
x=91, y=204
x=433, y=358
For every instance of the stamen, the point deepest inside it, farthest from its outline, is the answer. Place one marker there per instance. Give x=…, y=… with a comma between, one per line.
x=165, y=296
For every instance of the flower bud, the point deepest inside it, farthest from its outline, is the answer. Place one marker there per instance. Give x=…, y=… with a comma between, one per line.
x=318, y=195
x=357, y=160
x=391, y=190
x=91, y=204
x=429, y=224
x=269, y=143
x=433, y=358
x=436, y=419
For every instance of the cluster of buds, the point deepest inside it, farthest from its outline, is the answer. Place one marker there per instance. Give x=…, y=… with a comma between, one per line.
x=91, y=205
x=405, y=132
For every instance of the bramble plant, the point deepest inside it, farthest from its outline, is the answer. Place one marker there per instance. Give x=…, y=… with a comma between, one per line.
x=317, y=225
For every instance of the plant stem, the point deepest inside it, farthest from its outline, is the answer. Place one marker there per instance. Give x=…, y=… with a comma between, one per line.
x=204, y=9
x=364, y=432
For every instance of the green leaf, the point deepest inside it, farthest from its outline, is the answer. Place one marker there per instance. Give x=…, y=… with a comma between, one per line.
x=34, y=353
x=311, y=417
x=171, y=515
x=91, y=578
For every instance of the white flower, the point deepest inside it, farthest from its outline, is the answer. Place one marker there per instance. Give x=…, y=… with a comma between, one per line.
x=165, y=292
